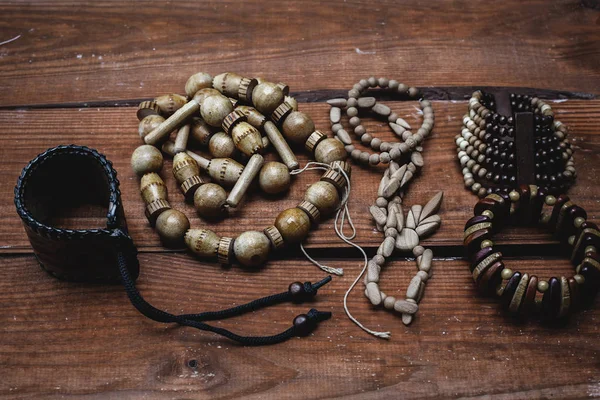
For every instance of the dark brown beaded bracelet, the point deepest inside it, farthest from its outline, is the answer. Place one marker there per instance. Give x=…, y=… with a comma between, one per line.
x=518, y=291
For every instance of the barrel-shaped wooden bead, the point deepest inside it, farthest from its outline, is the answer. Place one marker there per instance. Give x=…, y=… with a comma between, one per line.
x=266, y=97
x=293, y=224
x=171, y=226
x=225, y=171
x=297, y=127
x=169, y=103
x=247, y=138
x=255, y=118
x=215, y=108
x=200, y=80
x=153, y=188
x=330, y=150
x=324, y=196
x=251, y=248
x=228, y=83
x=202, y=242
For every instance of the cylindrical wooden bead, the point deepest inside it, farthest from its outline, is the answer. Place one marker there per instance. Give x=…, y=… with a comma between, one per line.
x=182, y=138
x=161, y=132
x=215, y=108
x=146, y=159
x=251, y=248
x=225, y=250
x=209, y=200
x=335, y=177
x=274, y=178
x=313, y=140
x=225, y=171
x=147, y=108
x=202, y=242
x=200, y=80
x=221, y=145
x=200, y=131
x=266, y=97
x=154, y=209
x=187, y=173
x=255, y=118
x=283, y=149
x=324, y=196
x=247, y=138
x=169, y=103
x=243, y=183
x=293, y=224
x=148, y=124
x=330, y=150
x=274, y=237
x=311, y=210
x=297, y=127
x=171, y=226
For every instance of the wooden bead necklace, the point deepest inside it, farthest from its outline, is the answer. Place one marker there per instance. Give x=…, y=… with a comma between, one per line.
x=404, y=161
x=243, y=107
x=522, y=294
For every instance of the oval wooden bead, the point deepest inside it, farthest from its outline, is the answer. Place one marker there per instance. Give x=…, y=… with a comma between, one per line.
x=203, y=94
x=297, y=127
x=200, y=80
x=407, y=240
x=324, y=196
x=293, y=224
x=221, y=145
x=373, y=293
x=153, y=188
x=202, y=242
x=247, y=138
x=382, y=109
x=274, y=177
x=251, y=248
x=146, y=159
x=413, y=287
x=214, y=109
x=169, y=103
x=184, y=167
x=407, y=307
x=227, y=83
x=171, y=226
x=225, y=171
x=330, y=150
x=149, y=123
x=200, y=131
x=266, y=97
x=209, y=200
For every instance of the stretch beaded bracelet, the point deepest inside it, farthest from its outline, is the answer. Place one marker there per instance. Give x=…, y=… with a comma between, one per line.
x=523, y=294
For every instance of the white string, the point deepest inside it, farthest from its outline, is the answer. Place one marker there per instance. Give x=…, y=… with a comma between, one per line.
x=341, y=215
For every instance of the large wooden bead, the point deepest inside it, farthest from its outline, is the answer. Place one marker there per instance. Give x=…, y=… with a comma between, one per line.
x=169, y=103
x=293, y=224
x=204, y=93
x=247, y=138
x=221, y=145
x=200, y=131
x=266, y=97
x=198, y=81
x=171, y=226
x=209, y=200
x=297, y=127
x=330, y=150
x=202, y=242
x=324, y=196
x=228, y=83
x=187, y=173
x=225, y=171
x=149, y=123
x=146, y=159
x=274, y=178
x=215, y=108
x=251, y=248
x=152, y=188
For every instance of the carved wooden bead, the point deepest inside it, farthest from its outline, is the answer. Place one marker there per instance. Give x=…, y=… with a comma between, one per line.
x=215, y=108
x=187, y=173
x=225, y=250
x=313, y=140
x=274, y=236
x=228, y=83
x=200, y=131
x=209, y=200
x=152, y=188
x=225, y=171
x=330, y=150
x=171, y=226
x=200, y=80
x=202, y=242
x=149, y=123
x=169, y=103
x=146, y=159
x=247, y=138
x=255, y=118
x=281, y=113
x=292, y=102
x=232, y=119
x=246, y=89
x=297, y=127
x=324, y=196
x=221, y=145
x=154, y=209
x=251, y=248
x=147, y=108
x=203, y=94
x=293, y=224
x=266, y=97
x=311, y=210
x=274, y=177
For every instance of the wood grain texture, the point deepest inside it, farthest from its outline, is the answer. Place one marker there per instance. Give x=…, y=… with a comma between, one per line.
x=114, y=50
x=113, y=132
x=86, y=341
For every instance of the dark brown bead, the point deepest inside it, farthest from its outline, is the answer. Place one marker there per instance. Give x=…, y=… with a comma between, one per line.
x=491, y=278
x=524, y=204
x=528, y=305
x=509, y=290
x=567, y=227
x=297, y=291
x=588, y=237
x=303, y=325
x=560, y=201
x=552, y=300
x=473, y=241
x=574, y=289
x=477, y=220
x=480, y=256
x=537, y=204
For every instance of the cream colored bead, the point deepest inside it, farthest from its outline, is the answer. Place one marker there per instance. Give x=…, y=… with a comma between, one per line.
x=209, y=200
x=293, y=224
x=579, y=279
x=274, y=178
x=221, y=145
x=251, y=248
x=169, y=103
x=506, y=273
x=486, y=243
x=297, y=127
x=324, y=196
x=149, y=123
x=250, y=172
x=200, y=80
x=283, y=149
x=146, y=159
x=542, y=286
x=202, y=242
x=330, y=150
x=215, y=108
x=162, y=132
x=266, y=97
x=171, y=226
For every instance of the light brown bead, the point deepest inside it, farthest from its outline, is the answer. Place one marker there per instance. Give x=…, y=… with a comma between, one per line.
x=169, y=103
x=202, y=242
x=292, y=102
x=251, y=248
x=215, y=108
x=171, y=226
x=154, y=209
x=225, y=250
x=146, y=108
x=149, y=123
x=293, y=224
x=330, y=150
x=274, y=177
x=255, y=118
x=266, y=97
x=209, y=200
x=200, y=80
x=187, y=173
x=152, y=188
x=225, y=171
x=250, y=172
x=283, y=149
x=274, y=236
x=247, y=138
x=324, y=196
x=311, y=210
x=146, y=159
x=200, y=131
x=204, y=93
x=162, y=132
x=228, y=83
x=313, y=140
x=221, y=145
x=297, y=127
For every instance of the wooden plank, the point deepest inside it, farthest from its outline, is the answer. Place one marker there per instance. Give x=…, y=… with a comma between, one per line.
x=25, y=133
x=61, y=339
x=120, y=50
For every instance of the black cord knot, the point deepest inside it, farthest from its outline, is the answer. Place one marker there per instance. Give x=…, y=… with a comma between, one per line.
x=301, y=292
x=304, y=324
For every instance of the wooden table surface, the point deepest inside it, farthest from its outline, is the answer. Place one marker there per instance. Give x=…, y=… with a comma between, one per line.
x=74, y=74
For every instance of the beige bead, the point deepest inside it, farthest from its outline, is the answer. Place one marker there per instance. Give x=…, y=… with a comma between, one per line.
x=149, y=123
x=324, y=196
x=215, y=108
x=247, y=138
x=200, y=131
x=330, y=150
x=162, y=132
x=183, y=134
x=250, y=172
x=221, y=145
x=187, y=173
x=283, y=149
x=251, y=248
x=146, y=159
x=202, y=242
x=266, y=97
x=171, y=226
x=293, y=224
x=200, y=80
x=229, y=83
x=274, y=178
x=292, y=102
x=297, y=127
x=225, y=171
x=209, y=200
x=146, y=108
x=204, y=93
x=152, y=188
x=169, y=103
